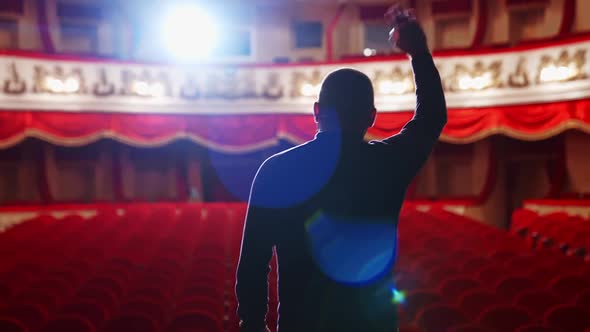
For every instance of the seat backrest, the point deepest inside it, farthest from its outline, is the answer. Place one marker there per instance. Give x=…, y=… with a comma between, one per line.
x=47, y=299
x=475, y=264
x=505, y=317
x=68, y=323
x=195, y=321
x=92, y=311
x=536, y=328
x=436, y=318
x=569, y=286
x=201, y=304
x=568, y=318
x=440, y=273
x=471, y=327
x=31, y=315
x=419, y=299
x=474, y=302
x=453, y=288
x=510, y=287
x=583, y=299
x=12, y=325
x=130, y=322
x=537, y=301
x=156, y=311
x=104, y=297
x=491, y=275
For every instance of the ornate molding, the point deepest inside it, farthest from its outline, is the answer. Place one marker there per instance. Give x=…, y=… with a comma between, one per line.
x=546, y=74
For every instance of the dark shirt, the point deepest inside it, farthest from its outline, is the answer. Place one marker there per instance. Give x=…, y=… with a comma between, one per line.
x=330, y=208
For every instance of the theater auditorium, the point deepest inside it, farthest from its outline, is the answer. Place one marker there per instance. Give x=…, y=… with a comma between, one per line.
x=131, y=132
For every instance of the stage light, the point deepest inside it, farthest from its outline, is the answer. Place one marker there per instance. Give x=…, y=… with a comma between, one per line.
x=310, y=90
x=71, y=85
x=54, y=85
x=554, y=73
x=188, y=33
x=157, y=89
x=369, y=52
x=467, y=82
x=388, y=87
x=141, y=88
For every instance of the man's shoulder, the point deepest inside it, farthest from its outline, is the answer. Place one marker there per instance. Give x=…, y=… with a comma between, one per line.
x=286, y=157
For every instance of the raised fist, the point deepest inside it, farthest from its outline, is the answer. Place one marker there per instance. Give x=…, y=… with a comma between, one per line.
x=406, y=33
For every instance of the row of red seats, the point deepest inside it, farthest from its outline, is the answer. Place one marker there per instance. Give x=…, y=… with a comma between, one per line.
x=161, y=269
x=168, y=268
x=556, y=231
x=460, y=275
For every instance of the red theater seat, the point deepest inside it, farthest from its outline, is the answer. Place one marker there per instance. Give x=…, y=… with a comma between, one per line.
x=441, y=273
x=111, y=284
x=130, y=322
x=475, y=302
x=417, y=300
x=69, y=323
x=512, y=286
x=214, y=306
x=45, y=299
x=491, y=274
x=104, y=297
x=153, y=294
x=453, y=288
x=409, y=328
x=438, y=318
x=583, y=299
x=30, y=315
x=537, y=301
x=522, y=220
x=536, y=328
x=89, y=310
x=568, y=318
x=155, y=310
x=11, y=325
x=505, y=318
x=475, y=264
x=195, y=321
x=471, y=328
x=569, y=286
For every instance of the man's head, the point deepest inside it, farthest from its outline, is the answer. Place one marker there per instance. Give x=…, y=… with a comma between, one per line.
x=346, y=102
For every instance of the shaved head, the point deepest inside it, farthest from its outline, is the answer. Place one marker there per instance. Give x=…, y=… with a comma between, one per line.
x=346, y=96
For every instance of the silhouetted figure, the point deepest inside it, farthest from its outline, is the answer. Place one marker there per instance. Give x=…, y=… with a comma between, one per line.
x=330, y=207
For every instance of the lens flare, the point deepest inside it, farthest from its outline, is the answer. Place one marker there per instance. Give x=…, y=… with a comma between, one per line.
x=397, y=296
x=352, y=251
x=189, y=33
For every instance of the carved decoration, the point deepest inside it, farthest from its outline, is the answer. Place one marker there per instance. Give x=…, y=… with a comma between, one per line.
x=479, y=77
x=299, y=80
x=395, y=82
x=14, y=85
x=563, y=68
x=519, y=78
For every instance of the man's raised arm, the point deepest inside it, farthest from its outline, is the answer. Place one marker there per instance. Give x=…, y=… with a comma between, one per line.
x=421, y=133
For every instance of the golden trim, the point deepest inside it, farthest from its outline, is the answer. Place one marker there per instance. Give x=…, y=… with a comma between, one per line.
x=109, y=134
x=509, y=132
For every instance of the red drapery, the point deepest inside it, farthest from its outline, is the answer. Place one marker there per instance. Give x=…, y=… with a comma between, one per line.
x=242, y=133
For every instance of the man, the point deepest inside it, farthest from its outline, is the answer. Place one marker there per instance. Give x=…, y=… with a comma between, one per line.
x=330, y=206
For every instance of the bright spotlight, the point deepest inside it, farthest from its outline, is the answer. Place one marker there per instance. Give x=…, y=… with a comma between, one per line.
x=554, y=73
x=310, y=90
x=188, y=33
x=369, y=52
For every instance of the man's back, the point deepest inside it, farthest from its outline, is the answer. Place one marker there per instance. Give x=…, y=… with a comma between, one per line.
x=330, y=209
x=335, y=213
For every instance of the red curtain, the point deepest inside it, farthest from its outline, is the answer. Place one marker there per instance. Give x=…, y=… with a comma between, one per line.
x=243, y=133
